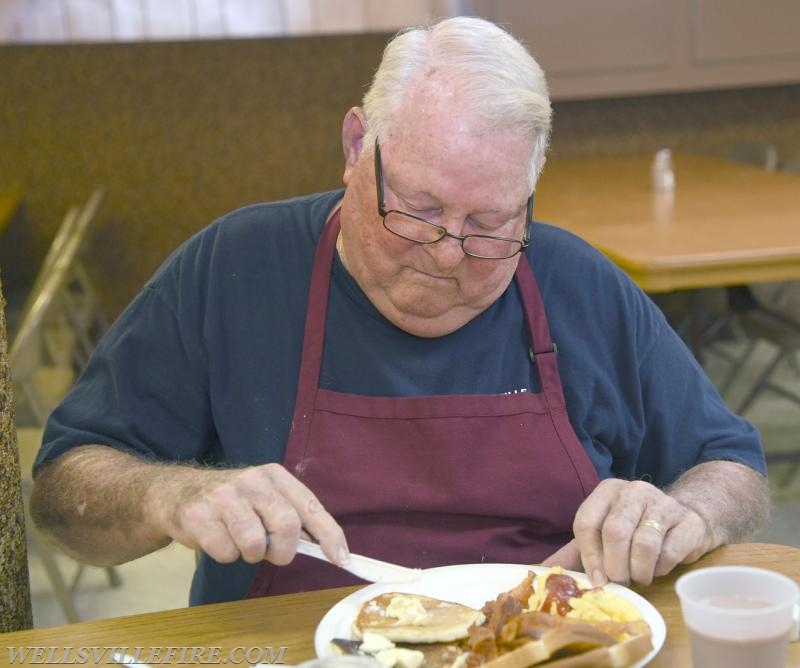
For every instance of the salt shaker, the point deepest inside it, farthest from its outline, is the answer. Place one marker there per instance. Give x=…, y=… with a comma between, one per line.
x=662, y=173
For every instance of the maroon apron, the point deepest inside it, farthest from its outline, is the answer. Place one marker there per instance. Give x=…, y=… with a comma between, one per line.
x=435, y=480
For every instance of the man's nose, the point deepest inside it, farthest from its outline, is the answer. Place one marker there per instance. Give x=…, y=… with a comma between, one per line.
x=447, y=253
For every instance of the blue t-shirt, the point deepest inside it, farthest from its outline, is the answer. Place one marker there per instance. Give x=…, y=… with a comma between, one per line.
x=202, y=366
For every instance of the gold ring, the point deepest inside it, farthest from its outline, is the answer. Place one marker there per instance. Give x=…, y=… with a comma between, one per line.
x=654, y=524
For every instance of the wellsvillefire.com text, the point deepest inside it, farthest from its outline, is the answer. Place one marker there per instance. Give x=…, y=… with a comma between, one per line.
x=146, y=655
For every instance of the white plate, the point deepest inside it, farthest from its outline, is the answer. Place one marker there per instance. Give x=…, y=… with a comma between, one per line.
x=468, y=584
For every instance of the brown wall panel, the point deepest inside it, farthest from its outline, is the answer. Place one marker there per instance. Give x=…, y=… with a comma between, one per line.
x=179, y=133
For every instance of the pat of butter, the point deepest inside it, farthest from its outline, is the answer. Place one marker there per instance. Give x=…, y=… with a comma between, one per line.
x=408, y=611
x=400, y=658
x=372, y=643
x=461, y=660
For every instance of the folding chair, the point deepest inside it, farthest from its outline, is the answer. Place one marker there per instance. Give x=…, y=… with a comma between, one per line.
x=740, y=298
x=51, y=345
x=42, y=380
x=774, y=319
x=782, y=290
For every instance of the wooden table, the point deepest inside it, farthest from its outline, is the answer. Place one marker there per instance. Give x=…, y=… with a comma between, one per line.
x=289, y=621
x=725, y=224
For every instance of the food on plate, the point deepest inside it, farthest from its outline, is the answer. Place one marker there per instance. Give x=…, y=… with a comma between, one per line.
x=408, y=655
x=413, y=618
x=550, y=618
x=558, y=593
x=554, y=619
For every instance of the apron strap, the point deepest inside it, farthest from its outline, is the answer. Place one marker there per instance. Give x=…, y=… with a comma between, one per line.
x=314, y=334
x=543, y=351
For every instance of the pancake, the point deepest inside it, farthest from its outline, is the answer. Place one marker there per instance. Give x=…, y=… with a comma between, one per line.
x=412, y=618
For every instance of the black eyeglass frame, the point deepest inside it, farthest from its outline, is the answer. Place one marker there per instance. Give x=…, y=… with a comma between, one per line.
x=526, y=237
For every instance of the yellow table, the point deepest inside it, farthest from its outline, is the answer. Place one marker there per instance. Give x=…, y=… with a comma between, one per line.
x=290, y=621
x=725, y=224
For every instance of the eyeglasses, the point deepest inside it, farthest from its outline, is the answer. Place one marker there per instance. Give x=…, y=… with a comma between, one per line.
x=422, y=231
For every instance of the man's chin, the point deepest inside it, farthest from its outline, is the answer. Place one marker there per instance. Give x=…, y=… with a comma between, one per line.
x=432, y=320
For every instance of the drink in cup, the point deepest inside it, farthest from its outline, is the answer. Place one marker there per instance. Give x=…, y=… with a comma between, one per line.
x=738, y=617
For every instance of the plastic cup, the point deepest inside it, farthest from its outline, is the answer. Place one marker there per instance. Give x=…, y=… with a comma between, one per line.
x=738, y=617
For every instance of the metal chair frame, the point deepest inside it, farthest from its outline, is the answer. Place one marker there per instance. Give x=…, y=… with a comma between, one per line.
x=759, y=320
x=60, y=324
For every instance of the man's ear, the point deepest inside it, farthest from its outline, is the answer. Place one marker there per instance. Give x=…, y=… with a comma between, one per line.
x=353, y=130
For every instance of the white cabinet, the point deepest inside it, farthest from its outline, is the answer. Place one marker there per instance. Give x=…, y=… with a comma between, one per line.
x=607, y=48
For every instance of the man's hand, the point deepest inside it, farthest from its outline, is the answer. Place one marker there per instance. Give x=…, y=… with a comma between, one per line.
x=631, y=531
x=104, y=506
x=228, y=514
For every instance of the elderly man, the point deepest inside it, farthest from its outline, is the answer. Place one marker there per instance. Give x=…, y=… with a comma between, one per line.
x=410, y=368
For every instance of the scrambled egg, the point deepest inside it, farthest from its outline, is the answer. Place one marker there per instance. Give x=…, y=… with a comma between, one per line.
x=536, y=600
x=593, y=604
x=601, y=605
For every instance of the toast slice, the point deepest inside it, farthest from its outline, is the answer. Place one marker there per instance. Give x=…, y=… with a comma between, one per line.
x=516, y=637
x=577, y=637
x=565, y=644
x=619, y=655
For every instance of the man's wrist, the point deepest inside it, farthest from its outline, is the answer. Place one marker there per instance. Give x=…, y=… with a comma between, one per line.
x=712, y=535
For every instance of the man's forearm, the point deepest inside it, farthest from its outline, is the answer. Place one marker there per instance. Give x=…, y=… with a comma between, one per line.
x=731, y=498
x=93, y=503
x=104, y=507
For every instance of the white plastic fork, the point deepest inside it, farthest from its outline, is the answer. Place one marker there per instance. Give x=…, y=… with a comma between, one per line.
x=373, y=570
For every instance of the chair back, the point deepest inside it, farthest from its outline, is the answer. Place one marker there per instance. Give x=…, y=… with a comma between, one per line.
x=61, y=268
x=15, y=593
x=60, y=325
x=63, y=234
x=61, y=320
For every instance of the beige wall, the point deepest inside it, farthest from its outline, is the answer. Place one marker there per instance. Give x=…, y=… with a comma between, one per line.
x=179, y=133
x=641, y=47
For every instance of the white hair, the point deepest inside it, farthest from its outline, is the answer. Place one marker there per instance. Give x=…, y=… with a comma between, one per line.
x=500, y=82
